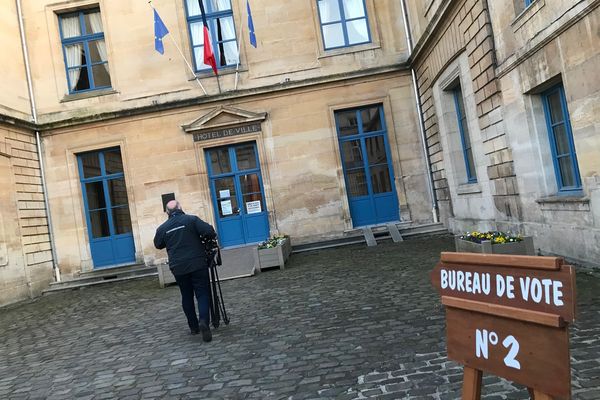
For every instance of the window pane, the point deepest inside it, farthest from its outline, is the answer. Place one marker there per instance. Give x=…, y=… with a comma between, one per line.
x=347, y=123
x=99, y=222
x=101, y=75
x=245, y=157
x=91, y=165
x=227, y=53
x=93, y=22
x=329, y=10
x=193, y=8
x=117, y=192
x=113, y=164
x=380, y=179
x=97, y=50
x=358, y=31
x=471, y=165
x=219, y=161
x=561, y=139
x=371, y=120
x=250, y=183
x=199, y=55
x=75, y=55
x=253, y=203
x=216, y=5
x=225, y=188
x=567, y=171
x=79, y=75
x=354, y=8
x=376, y=150
x=352, y=152
x=70, y=26
x=556, y=114
x=197, y=32
x=224, y=28
x=333, y=36
x=121, y=220
x=95, y=195
x=357, y=183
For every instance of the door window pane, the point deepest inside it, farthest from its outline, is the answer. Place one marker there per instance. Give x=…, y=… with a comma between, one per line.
x=250, y=183
x=219, y=161
x=357, y=183
x=90, y=164
x=347, y=123
x=99, y=222
x=253, y=203
x=371, y=120
x=225, y=188
x=228, y=207
x=245, y=157
x=95, y=195
x=333, y=36
x=121, y=220
x=352, y=153
x=380, y=179
x=117, y=192
x=112, y=162
x=376, y=150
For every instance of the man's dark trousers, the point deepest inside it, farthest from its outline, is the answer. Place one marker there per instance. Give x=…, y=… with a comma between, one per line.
x=195, y=283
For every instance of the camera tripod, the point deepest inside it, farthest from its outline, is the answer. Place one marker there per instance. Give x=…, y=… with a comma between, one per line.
x=217, y=306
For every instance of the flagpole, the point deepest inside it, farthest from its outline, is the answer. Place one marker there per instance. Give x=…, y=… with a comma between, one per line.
x=185, y=59
x=237, y=67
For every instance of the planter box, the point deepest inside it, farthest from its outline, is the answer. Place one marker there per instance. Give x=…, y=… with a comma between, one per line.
x=524, y=248
x=165, y=277
x=274, y=257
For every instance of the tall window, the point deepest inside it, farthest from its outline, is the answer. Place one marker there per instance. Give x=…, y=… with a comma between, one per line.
x=561, y=140
x=219, y=17
x=84, y=50
x=343, y=23
x=465, y=139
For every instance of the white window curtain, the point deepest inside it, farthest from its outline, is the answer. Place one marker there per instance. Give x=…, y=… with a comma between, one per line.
x=194, y=8
x=329, y=11
x=71, y=28
x=358, y=30
x=96, y=26
x=197, y=33
x=230, y=49
x=353, y=9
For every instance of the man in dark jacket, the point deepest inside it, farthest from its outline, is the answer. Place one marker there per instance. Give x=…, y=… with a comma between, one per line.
x=182, y=235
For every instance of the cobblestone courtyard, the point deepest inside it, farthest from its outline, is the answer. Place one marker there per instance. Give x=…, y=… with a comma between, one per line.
x=353, y=322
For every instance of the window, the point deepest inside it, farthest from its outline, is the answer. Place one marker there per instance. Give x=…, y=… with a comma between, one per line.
x=561, y=140
x=343, y=23
x=465, y=139
x=84, y=50
x=528, y=2
x=219, y=17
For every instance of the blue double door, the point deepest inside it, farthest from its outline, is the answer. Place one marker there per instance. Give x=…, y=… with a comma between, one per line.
x=237, y=194
x=366, y=156
x=106, y=207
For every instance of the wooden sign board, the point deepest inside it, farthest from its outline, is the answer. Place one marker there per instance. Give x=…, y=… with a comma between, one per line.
x=508, y=315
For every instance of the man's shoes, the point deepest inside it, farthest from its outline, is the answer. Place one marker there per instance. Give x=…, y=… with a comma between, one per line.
x=206, y=333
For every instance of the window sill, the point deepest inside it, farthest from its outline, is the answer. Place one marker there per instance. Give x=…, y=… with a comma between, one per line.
x=564, y=203
x=468, y=188
x=87, y=95
x=527, y=14
x=348, y=50
x=209, y=73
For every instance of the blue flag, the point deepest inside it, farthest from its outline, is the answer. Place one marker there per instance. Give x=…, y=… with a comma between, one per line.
x=251, y=25
x=160, y=31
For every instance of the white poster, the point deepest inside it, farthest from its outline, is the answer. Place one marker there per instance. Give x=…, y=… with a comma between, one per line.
x=226, y=207
x=253, y=207
x=223, y=194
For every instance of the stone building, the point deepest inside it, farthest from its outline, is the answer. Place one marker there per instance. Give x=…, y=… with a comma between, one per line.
x=315, y=133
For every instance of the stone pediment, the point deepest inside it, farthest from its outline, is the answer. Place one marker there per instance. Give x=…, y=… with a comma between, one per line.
x=223, y=117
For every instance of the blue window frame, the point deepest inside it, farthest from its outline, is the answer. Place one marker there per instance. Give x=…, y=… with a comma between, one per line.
x=344, y=23
x=465, y=138
x=528, y=2
x=221, y=26
x=561, y=140
x=84, y=51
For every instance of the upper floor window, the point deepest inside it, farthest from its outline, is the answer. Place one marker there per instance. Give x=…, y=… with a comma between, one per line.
x=84, y=50
x=465, y=138
x=561, y=140
x=219, y=17
x=343, y=23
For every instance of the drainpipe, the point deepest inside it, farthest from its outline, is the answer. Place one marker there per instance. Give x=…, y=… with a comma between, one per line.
x=434, y=203
x=38, y=141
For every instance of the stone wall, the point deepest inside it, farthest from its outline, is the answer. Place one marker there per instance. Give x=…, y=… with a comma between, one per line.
x=25, y=254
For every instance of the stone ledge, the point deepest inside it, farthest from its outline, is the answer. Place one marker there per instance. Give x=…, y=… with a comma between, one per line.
x=564, y=203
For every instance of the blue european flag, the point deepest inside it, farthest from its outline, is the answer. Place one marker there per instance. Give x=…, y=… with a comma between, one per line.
x=160, y=31
x=251, y=25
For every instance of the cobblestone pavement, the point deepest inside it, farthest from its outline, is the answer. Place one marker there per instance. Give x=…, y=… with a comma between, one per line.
x=347, y=323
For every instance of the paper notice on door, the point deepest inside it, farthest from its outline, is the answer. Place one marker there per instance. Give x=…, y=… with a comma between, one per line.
x=253, y=207
x=226, y=207
x=223, y=194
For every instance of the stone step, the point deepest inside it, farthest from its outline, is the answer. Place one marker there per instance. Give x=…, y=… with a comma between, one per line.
x=103, y=276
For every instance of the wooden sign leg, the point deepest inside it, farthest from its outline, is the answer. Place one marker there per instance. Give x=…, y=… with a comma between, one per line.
x=537, y=395
x=471, y=384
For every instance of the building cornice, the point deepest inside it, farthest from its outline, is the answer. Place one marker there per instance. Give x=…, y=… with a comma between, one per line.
x=17, y=122
x=431, y=31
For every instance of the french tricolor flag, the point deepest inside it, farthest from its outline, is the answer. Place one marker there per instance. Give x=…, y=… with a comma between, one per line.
x=209, y=55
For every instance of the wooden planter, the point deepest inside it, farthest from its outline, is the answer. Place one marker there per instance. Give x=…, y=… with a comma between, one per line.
x=273, y=257
x=524, y=248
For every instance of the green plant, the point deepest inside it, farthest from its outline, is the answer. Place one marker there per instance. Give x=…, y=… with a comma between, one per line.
x=272, y=242
x=496, y=237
